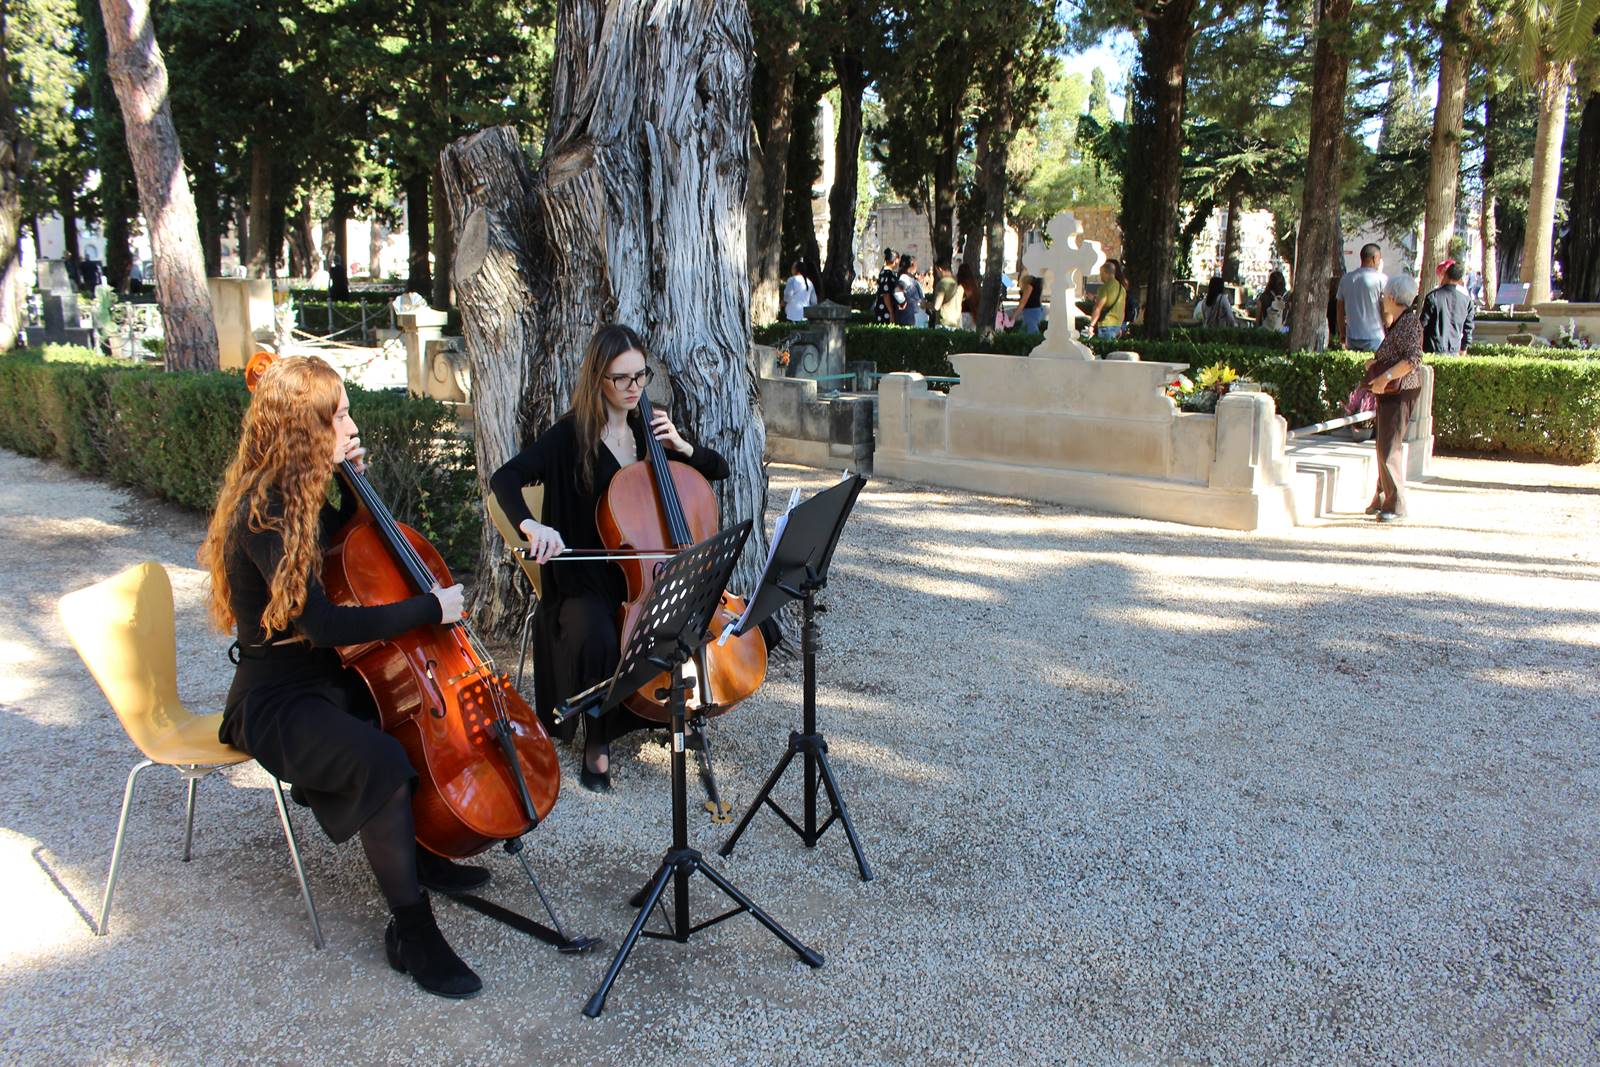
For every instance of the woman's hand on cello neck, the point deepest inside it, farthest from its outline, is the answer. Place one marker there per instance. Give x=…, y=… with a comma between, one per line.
x=452, y=603
x=668, y=434
x=544, y=542
x=355, y=453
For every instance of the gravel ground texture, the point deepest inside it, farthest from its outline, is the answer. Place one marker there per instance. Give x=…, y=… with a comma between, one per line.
x=1134, y=793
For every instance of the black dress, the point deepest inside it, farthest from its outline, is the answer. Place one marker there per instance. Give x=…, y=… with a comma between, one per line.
x=294, y=707
x=575, y=639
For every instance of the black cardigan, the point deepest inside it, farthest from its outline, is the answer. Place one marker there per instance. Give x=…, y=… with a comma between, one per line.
x=552, y=461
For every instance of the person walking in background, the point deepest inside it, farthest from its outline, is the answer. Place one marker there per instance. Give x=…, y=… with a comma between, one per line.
x=946, y=298
x=1030, y=303
x=967, y=278
x=883, y=312
x=798, y=293
x=1111, y=302
x=1216, y=309
x=1447, y=312
x=1273, y=302
x=1360, y=323
x=910, y=307
x=1394, y=378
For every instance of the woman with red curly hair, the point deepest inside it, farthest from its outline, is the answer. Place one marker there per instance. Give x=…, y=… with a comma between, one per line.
x=293, y=706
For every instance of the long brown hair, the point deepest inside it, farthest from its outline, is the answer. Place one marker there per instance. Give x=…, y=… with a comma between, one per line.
x=277, y=481
x=588, y=394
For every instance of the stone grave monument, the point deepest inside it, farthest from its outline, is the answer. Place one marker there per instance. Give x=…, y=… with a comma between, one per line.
x=1066, y=256
x=62, y=318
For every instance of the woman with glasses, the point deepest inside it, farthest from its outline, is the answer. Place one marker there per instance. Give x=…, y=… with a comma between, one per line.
x=575, y=639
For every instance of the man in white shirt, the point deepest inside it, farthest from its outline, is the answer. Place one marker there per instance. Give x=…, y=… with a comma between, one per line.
x=1360, y=323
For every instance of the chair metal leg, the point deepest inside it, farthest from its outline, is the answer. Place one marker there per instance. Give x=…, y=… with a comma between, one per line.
x=522, y=642
x=188, y=818
x=299, y=869
x=116, y=848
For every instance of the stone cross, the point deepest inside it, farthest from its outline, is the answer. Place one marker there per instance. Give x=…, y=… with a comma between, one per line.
x=1066, y=255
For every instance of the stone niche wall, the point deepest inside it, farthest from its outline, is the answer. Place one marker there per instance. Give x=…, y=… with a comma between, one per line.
x=1098, y=434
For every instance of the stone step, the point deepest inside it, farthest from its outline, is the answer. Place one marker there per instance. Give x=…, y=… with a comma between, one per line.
x=1340, y=474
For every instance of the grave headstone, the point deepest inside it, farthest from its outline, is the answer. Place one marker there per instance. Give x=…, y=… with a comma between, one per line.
x=1066, y=264
x=62, y=318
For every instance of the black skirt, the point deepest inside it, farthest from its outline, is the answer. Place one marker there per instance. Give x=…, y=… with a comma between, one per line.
x=308, y=720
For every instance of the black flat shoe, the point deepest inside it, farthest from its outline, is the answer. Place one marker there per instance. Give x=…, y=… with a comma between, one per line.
x=447, y=876
x=414, y=946
x=1373, y=509
x=298, y=795
x=595, y=781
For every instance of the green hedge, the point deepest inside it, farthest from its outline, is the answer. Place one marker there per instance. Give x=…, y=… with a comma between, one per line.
x=906, y=348
x=1526, y=404
x=174, y=434
x=1501, y=398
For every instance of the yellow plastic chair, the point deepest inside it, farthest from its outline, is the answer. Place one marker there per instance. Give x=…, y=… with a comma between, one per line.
x=516, y=551
x=123, y=629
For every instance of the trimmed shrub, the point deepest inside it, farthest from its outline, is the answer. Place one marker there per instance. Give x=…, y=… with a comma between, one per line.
x=173, y=435
x=906, y=348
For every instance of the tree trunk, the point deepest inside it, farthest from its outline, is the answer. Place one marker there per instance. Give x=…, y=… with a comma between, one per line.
x=973, y=226
x=1230, y=232
x=1444, y=157
x=945, y=168
x=997, y=131
x=635, y=216
x=769, y=180
x=140, y=78
x=339, y=265
x=840, y=273
x=1486, y=219
x=439, y=104
x=302, y=242
x=1554, y=83
x=210, y=219
x=1319, y=204
x=15, y=156
x=1581, y=256
x=443, y=244
x=1170, y=32
x=67, y=208
x=377, y=237
x=419, y=191
x=260, y=255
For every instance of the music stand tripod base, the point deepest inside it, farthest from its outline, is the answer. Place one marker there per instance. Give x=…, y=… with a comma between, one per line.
x=674, y=619
x=801, y=554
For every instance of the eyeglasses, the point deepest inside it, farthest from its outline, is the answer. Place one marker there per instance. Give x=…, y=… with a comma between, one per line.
x=625, y=381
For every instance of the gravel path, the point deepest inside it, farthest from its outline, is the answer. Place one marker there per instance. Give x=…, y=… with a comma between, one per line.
x=1135, y=793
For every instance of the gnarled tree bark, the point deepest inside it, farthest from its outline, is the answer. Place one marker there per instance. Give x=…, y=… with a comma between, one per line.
x=139, y=76
x=636, y=215
x=1444, y=156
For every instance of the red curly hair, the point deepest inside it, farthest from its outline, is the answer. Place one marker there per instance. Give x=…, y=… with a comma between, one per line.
x=277, y=481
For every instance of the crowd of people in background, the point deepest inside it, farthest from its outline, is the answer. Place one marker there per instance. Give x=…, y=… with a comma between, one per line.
x=944, y=298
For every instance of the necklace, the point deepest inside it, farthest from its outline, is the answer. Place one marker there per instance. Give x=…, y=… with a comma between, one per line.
x=619, y=441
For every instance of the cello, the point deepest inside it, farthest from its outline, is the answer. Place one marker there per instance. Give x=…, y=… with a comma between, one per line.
x=487, y=771
x=654, y=505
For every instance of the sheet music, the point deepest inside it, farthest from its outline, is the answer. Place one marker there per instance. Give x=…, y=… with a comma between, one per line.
x=772, y=548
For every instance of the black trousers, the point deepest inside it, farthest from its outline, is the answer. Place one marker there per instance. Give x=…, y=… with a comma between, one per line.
x=1394, y=415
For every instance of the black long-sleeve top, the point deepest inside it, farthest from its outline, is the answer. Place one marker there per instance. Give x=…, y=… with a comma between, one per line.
x=324, y=624
x=1447, y=320
x=552, y=461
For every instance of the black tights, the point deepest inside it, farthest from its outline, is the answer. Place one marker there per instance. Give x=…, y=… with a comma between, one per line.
x=389, y=839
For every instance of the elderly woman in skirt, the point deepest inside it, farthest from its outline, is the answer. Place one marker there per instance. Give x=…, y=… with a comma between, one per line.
x=1395, y=378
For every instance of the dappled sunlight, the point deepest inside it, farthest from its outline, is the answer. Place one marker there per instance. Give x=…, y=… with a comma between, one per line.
x=17, y=675
x=843, y=750
x=931, y=585
x=40, y=921
x=1187, y=621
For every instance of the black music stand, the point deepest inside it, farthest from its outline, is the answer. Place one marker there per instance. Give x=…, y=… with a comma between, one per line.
x=797, y=568
x=681, y=604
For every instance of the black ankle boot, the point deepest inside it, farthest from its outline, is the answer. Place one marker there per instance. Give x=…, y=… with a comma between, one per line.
x=446, y=876
x=414, y=945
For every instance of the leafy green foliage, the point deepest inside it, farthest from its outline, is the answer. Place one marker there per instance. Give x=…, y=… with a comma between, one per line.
x=173, y=435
